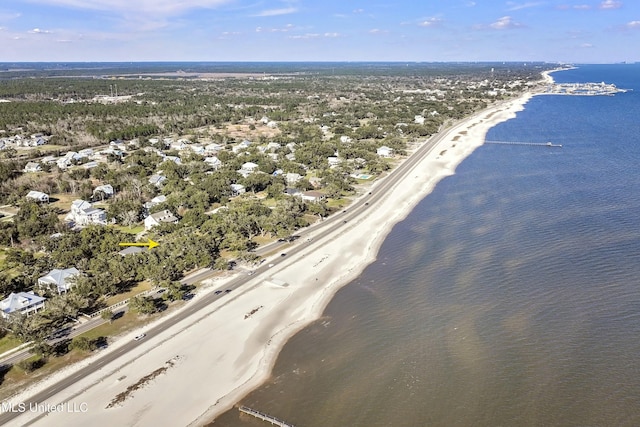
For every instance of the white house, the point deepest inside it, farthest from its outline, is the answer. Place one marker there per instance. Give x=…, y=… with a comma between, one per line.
x=419, y=120
x=345, y=139
x=174, y=159
x=83, y=213
x=292, y=178
x=162, y=217
x=273, y=146
x=213, y=148
x=157, y=180
x=213, y=161
x=21, y=302
x=155, y=201
x=313, y=196
x=61, y=280
x=106, y=189
x=32, y=167
x=38, y=196
x=198, y=149
x=333, y=161
x=385, y=151
x=237, y=189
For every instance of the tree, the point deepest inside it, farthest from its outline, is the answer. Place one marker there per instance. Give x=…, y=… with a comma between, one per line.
x=107, y=315
x=82, y=343
x=142, y=304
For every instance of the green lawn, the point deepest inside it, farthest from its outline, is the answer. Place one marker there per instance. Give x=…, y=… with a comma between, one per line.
x=8, y=342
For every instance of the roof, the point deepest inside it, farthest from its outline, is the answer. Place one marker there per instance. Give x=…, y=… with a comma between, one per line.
x=59, y=277
x=17, y=301
x=36, y=194
x=164, y=216
x=81, y=204
x=106, y=189
x=131, y=250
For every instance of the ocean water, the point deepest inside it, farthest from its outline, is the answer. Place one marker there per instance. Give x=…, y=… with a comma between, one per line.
x=510, y=296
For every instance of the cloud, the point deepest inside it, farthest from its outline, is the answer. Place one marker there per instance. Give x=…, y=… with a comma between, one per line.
x=430, y=22
x=634, y=25
x=285, y=29
x=515, y=6
x=577, y=7
x=610, y=4
x=358, y=11
x=586, y=45
x=505, y=23
x=378, y=31
x=38, y=31
x=129, y=7
x=277, y=12
x=314, y=36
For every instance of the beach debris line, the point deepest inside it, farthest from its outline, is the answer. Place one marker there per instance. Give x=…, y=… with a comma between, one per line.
x=121, y=397
x=252, y=312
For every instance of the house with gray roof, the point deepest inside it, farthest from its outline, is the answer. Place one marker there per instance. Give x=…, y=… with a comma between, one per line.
x=59, y=280
x=83, y=213
x=162, y=217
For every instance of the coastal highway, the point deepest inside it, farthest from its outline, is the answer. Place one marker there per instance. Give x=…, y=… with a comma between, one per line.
x=318, y=232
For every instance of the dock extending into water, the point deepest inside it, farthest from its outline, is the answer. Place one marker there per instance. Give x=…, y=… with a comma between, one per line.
x=536, y=144
x=264, y=417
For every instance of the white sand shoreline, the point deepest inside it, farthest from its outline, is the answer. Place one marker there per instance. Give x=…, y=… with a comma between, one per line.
x=224, y=356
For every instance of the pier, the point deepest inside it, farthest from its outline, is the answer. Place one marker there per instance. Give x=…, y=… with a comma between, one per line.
x=264, y=417
x=536, y=144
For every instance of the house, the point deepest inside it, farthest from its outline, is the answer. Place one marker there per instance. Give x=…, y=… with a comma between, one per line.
x=90, y=165
x=155, y=201
x=83, y=213
x=213, y=161
x=385, y=151
x=157, y=180
x=38, y=196
x=345, y=139
x=32, y=167
x=22, y=302
x=333, y=161
x=237, y=189
x=105, y=191
x=162, y=217
x=87, y=152
x=313, y=196
x=197, y=149
x=174, y=159
x=241, y=147
x=62, y=280
x=249, y=167
x=290, y=157
x=419, y=119
x=131, y=250
x=273, y=146
x=292, y=178
x=48, y=160
x=179, y=145
x=292, y=191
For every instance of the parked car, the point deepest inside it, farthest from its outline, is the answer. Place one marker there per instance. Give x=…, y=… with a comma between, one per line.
x=139, y=337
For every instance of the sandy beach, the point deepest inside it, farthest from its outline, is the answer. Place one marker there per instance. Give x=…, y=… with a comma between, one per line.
x=201, y=367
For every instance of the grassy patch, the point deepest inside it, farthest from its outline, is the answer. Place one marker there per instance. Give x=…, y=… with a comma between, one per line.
x=131, y=230
x=8, y=342
x=17, y=379
x=263, y=240
x=140, y=287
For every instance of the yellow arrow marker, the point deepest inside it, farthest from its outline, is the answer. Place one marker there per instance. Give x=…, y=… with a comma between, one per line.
x=150, y=243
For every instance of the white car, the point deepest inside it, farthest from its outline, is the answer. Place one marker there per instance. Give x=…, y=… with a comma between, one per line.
x=271, y=265
x=139, y=337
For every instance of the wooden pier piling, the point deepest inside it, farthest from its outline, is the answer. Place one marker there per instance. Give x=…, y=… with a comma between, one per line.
x=264, y=417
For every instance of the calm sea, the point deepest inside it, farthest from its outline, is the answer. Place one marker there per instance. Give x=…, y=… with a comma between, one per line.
x=509, y=297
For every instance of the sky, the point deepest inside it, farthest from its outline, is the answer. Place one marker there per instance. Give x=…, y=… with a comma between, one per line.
x=573, y=31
